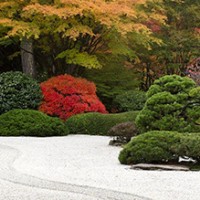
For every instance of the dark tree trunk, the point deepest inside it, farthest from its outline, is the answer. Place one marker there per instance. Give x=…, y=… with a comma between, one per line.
x=27, y=56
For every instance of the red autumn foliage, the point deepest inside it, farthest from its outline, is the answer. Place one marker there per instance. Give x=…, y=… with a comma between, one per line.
x=193, y=70
x=154, y=26
x=197, y=30
x=65, y=95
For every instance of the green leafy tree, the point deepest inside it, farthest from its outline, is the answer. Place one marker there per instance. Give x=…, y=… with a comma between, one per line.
x=181, y=36
x=113, y=79
x=180, y=41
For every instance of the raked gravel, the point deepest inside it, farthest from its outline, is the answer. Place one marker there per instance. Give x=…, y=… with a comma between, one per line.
x=78, y=167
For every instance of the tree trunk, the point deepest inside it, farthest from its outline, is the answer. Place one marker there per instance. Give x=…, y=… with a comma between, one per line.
x=27, y=57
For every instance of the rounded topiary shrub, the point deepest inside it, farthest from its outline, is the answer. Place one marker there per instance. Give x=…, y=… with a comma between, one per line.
x=161, y=147
x=173, y=103
x=130, y=101
x=171, y=83
x=151, y=147
x=66, y=95
x=18, y=90
x=20, y=122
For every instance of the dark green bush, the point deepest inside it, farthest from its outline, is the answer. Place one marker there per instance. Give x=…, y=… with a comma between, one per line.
x=130, y=100
x=189, y=146
x=161, y=147
x=173, y=103
x=97, y=123
x=17, y=90
x=30, y=123
x=151, y=147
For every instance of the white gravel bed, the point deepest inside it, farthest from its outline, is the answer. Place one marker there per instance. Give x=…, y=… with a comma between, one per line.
x=70, y=167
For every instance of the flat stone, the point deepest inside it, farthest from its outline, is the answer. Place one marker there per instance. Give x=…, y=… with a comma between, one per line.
x=145, y=166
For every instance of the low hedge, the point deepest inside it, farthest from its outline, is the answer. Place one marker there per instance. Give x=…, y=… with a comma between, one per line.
x=97, y=123
x=161, y=147
x=20, y=122
x=130, y=101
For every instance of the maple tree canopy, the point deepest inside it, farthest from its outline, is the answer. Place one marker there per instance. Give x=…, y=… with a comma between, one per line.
x=81, y=28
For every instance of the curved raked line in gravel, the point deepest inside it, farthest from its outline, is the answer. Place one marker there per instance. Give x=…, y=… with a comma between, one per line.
x=7, y=157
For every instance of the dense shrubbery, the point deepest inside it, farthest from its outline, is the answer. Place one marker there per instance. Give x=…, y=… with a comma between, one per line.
x=17, y=90
x=30, y=123
x=189, y=146
x=97, y=123
x=65, y=96
x=130, y=100
x=113, y=79
x=122, y=132
x=173, y=103
x=161, y=147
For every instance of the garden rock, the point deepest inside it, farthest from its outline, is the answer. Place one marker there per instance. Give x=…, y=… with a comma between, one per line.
x=122, y=133
x=144, y=166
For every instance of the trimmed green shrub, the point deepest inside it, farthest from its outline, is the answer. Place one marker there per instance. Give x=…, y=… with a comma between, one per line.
x=173, y=103
x=97, y=123
x=30, y=123
x=189, y=146
x=161, y=147
x=171, y=83
x=17, y=90
x=151, y=147
x=130, y=101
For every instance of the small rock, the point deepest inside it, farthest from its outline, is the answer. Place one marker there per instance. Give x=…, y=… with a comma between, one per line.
x=144, y=166
x=186, y=159
x=115, y=143
x=123, y=132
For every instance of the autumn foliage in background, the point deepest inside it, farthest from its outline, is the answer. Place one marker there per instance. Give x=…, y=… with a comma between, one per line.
x=66, y=95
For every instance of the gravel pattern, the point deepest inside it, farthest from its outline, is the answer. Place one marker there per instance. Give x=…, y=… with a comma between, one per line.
x=78, y=167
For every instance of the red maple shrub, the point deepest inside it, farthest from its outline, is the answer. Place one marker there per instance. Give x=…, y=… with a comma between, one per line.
x=65, y=95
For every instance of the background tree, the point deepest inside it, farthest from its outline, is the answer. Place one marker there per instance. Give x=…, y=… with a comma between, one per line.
x=193, y=70
x=113, y=79
x=73, y=33
x=19, y=28
x=180, y=41
x=180, y=36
